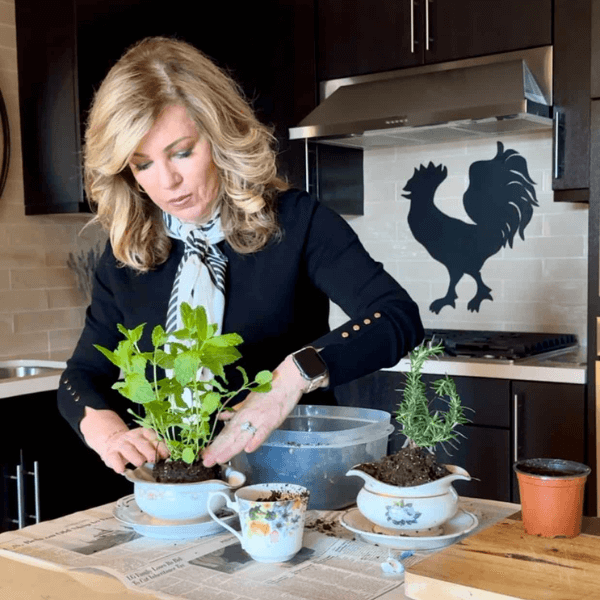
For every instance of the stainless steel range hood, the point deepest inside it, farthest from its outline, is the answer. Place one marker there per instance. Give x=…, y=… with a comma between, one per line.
x=482, y=97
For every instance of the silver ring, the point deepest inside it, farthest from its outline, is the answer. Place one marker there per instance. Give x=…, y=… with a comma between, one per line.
x=247, y=426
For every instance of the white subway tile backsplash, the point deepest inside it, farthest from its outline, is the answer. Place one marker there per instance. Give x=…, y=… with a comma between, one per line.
x=540, y=284
x=557, y=225
x=565, y=269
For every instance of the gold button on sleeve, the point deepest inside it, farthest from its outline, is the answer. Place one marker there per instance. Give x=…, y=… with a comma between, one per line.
x=345, y=334
x=367, y=321
x=377, y=315
x=356, y=327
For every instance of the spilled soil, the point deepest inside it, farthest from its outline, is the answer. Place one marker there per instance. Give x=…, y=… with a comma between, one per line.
x=178, y=471
x=407, y=467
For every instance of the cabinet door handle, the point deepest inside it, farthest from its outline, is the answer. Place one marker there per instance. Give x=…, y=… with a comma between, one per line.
x=515, y=428
x=306, y=167
x=36, y=488
x=412, y=26
x=20, y=497
x=427, y=25
x=559, y=140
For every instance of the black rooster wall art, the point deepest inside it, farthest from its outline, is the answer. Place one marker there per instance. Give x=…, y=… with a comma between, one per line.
x=500, y=201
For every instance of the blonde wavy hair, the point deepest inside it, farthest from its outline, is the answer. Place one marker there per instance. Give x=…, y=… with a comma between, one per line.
x=156, y=73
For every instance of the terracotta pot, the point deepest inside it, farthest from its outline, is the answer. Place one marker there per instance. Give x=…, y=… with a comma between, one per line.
x=551, y=496
x=412, y=509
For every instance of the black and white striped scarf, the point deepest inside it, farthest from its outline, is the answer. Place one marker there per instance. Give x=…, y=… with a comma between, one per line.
x=200, y=278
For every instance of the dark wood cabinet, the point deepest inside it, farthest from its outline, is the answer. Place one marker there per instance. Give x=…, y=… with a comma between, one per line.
x=66, y=47
x=455, y=29
x=509, y=420
x=70, y=476
x=354, y=39
x=572, y=48
x=49, y=108
x=549, y=422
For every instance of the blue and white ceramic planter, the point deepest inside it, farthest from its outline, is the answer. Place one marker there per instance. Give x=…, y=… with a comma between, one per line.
x=412, y=509
x=179, y=501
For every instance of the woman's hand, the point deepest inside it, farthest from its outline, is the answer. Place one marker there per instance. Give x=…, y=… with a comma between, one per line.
x=106, y=433
x=263, y=412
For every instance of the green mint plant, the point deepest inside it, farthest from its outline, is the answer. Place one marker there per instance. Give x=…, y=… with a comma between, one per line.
x=422, y=428
x=181, y=408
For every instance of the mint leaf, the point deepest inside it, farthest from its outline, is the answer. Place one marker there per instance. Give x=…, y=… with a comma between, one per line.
x=187, y=317
x=210, y=402
x=200, y=323
x=227, y=339
x=264, y=377
x=136, y=388
x=114, y=359
x=159, y=336
x=265, y=387
x=186, y=367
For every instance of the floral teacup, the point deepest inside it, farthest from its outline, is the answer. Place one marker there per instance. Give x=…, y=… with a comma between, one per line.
x=271, y=518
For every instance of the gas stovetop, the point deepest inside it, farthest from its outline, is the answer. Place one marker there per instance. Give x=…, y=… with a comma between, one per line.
x=507, y=345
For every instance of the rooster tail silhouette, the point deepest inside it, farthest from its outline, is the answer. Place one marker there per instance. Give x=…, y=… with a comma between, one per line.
x=500, y=200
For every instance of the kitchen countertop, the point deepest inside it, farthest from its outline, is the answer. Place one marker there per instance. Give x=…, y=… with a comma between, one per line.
x=562, y=366
x=31, y=384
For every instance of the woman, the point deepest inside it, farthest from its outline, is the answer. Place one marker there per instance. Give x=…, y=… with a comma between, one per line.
x=184, y=180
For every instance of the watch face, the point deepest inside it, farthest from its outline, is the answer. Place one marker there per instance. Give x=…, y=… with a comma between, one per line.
x=311, y=363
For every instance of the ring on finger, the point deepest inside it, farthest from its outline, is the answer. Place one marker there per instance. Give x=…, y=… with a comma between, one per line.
x=247, y=426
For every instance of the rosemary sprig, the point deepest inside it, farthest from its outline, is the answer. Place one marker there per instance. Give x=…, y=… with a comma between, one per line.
x=422, y=428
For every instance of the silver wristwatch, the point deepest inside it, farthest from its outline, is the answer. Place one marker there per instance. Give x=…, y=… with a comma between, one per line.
x=311, y=366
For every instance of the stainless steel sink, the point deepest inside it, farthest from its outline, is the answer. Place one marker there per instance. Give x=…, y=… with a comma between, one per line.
x=23, y=368
x=10, y=372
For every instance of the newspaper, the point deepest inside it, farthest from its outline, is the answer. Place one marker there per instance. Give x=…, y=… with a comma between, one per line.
x=332, y=563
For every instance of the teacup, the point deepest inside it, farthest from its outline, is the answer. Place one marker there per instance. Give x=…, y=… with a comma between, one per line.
x=271, y=517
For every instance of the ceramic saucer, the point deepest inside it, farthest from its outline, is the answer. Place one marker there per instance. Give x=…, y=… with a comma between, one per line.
x=460, y=524
x=128, y=512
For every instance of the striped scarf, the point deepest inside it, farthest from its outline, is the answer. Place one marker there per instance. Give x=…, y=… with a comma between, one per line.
x=200, y=278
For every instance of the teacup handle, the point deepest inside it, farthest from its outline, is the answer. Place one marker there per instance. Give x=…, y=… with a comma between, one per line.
x=230, y=504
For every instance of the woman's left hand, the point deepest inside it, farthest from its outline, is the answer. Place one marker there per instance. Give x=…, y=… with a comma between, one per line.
x=253, y=420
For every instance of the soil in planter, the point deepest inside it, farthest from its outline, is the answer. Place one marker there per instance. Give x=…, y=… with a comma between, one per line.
x=407, y=467
x=178, y=471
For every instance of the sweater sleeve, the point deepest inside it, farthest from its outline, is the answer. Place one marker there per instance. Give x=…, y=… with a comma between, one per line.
x=88, y=377
x=384, y=321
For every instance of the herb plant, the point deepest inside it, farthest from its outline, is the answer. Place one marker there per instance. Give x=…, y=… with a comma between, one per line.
x=422, y=428
x=181, y=408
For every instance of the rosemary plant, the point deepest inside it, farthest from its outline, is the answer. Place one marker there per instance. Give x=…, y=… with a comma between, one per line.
x=422, y=428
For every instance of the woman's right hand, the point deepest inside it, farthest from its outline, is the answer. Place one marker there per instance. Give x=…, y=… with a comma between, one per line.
x=106, y=433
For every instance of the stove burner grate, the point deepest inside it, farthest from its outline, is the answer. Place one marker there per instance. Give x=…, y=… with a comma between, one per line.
x=499, y=344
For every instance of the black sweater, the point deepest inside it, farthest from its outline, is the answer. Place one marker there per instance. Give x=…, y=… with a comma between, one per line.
x=277, y=299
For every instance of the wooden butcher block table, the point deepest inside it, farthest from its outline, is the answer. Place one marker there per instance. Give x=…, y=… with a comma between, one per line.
x=502, y=562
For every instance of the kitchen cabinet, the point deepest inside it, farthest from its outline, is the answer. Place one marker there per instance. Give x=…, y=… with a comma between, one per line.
x=548, y=422
x=509, y=419
x=71, y=476
x=571, y=88
x=394, y=34
x=66, y=47
x=593, y=363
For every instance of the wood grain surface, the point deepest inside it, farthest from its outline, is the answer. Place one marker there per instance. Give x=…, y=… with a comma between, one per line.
x=504, y=563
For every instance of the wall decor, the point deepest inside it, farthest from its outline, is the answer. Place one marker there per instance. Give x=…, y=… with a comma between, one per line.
x=499, y=200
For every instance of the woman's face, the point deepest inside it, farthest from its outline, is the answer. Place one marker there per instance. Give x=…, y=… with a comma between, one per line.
x=174, y=165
